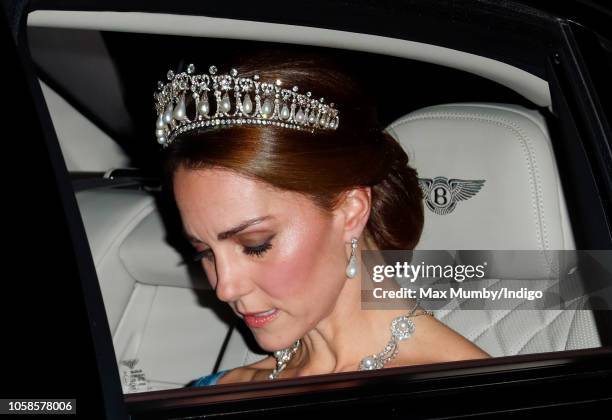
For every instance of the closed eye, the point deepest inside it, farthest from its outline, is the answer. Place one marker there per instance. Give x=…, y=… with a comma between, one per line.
x=258, y=250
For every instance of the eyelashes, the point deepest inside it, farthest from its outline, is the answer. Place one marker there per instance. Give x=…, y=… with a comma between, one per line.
x=256, y=251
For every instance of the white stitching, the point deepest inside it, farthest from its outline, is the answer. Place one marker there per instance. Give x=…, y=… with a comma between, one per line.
x=543, y=328
x=526, y=146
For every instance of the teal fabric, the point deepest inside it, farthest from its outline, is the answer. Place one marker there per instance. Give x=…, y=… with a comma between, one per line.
x=209, y=379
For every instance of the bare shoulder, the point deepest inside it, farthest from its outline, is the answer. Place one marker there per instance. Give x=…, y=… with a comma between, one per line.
x=248, y=373
x=435, y=342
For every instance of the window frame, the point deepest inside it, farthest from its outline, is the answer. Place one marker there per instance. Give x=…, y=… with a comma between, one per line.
x=584, y=129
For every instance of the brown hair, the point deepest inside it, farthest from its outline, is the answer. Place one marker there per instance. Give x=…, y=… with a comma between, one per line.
x=323, y=165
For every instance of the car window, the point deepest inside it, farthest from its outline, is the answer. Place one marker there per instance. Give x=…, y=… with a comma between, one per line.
x=490, y=170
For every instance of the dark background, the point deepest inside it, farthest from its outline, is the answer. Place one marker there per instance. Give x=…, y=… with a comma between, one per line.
x=47, y=348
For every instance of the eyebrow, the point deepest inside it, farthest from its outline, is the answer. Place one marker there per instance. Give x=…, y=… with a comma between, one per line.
x=231, y=232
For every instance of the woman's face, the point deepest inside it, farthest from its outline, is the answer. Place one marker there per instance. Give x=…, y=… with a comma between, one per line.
x=264, y=249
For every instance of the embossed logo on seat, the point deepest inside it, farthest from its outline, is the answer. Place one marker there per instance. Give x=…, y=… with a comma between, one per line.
x=442, y=194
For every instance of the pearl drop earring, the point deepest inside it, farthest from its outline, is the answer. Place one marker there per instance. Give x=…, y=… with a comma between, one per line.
x=351, y=268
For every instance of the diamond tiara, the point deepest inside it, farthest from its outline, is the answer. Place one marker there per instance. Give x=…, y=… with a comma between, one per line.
x=273, y=105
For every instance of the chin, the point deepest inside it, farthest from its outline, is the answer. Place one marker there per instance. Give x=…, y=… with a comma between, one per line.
x=270, y=344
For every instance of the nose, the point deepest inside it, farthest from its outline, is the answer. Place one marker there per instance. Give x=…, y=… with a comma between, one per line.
x=232, y=281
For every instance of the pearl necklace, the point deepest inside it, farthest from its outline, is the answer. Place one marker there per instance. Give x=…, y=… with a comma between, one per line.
x=402, y=328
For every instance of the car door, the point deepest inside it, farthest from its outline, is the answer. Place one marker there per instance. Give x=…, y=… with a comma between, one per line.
x=56, y=344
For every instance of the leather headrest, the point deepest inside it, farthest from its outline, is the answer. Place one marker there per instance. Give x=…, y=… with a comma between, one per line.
x=490, y=182
x=125, y=231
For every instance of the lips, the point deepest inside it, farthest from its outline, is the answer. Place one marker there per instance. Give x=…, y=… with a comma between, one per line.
x=259, y=319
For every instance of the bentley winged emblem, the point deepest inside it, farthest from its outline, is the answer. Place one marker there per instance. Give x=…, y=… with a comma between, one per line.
x=442, y=194
x=130, y=363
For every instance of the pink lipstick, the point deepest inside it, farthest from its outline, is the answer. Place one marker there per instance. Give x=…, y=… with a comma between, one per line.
x=261, y=319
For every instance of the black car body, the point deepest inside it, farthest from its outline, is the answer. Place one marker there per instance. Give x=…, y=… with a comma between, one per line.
x=568, y=46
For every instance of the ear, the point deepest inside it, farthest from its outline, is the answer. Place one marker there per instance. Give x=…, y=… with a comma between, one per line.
x=353, y=209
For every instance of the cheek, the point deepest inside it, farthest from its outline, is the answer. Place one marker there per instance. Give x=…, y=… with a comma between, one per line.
x=303, y=261
x=288, y=275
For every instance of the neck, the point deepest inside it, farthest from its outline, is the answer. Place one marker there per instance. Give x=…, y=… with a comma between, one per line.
x=341, y=340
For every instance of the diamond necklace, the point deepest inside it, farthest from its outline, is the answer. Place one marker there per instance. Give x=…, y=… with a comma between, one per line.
x=402, y=328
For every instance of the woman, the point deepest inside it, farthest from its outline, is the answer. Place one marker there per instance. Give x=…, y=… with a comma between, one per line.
x=279, y=191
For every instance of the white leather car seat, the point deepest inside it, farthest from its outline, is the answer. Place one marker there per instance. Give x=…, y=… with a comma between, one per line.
x=84, y=146
x=516, y=203
x=164, y=318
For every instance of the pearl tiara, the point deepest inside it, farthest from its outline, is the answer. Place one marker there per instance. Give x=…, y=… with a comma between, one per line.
x=273, y=104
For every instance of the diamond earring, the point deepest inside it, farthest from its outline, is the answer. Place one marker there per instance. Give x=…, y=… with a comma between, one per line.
x=351, y=268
